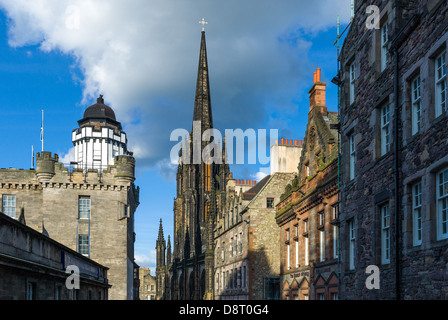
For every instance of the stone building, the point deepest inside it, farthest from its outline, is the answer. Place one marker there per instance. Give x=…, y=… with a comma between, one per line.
x=394, y=126
x=306, y=212
x=33, y=267
x=200, y=195
x=147, y=285
x=247, y=259
x=90, y=211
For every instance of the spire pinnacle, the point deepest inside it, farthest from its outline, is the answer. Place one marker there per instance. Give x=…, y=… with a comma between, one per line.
x=202, y=103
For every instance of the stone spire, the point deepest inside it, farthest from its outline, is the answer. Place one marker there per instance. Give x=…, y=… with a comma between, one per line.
x=168, y=252
x=160, y=247
x=202, y=103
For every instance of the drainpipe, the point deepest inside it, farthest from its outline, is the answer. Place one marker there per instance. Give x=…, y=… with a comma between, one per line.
x=395, y=44
x=396, y=174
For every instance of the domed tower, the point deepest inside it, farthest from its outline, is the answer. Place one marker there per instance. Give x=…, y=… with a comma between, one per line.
x=99, y=138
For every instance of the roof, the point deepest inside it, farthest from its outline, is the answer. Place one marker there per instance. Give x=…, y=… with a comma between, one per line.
x=252, y=192
x=100, y=111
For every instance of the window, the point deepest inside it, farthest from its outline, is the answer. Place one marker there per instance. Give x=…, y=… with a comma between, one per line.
x=244, y=277
x=223, y=251
x=385, y=234
x=305, y=225
x=385, y=130
x=57, y=293
x=335, y=212
x=384, y=41
x=307, y=260
x=9, y=205
x=335, y=242
x=31, y=291
x=320, y=296
x=287, y=235
x=241, y=242
x=296, y=228
x=442, y=205
x=231, y=247
x=307, y=170
x=322, y=245
x=305, y=296
x=84, y=207
x=297, y=253
x=351, y=252
x=352, y=156
x=288, y=256
x=321, y=218
x=240, y=278
x=416, y=106
x=352, y=71
x=334, y=296
x=270, y=203
x=83, y=244
x=440, y=77
x=417, y=213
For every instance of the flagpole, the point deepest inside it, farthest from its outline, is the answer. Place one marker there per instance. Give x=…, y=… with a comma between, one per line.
x=32, y=157
x=42, y=131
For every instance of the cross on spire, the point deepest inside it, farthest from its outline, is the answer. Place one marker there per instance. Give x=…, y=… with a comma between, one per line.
x=203, y=22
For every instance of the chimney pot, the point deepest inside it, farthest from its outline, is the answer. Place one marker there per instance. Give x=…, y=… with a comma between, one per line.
x=295, y=142
x=290, y=142
x=283, y=141
x=318, y=73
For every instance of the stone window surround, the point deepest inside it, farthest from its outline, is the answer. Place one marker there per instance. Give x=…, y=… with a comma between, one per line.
x=425, y=66
x=427, y=176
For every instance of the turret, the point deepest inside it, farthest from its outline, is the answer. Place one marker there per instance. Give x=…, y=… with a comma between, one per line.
x=45, y=164
x=125, y=166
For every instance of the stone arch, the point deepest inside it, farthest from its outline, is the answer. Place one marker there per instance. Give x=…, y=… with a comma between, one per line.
x=191, y=287
x=304, y=289
x=202, y=285
x=286, y=291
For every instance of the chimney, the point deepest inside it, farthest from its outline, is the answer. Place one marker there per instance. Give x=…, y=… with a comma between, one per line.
x=283, y=141
x=300, y=143
x=317, y=93
x=290, y=142
x=295, y=142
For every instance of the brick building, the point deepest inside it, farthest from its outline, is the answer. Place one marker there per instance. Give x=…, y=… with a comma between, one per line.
x=394, y=129
x=33, y=267
x=306, y=213
x=88, y=210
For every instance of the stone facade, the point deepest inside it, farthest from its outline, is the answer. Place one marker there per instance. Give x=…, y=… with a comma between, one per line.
x=147, y=285
x=50, y=199
x=394, y=124
x=247, y=260
x=307, y=211
x=33, y=267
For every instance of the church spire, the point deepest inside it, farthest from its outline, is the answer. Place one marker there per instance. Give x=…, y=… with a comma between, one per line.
x=202, y=103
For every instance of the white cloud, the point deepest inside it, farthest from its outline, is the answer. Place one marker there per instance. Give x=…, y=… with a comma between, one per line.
x=146, y=261
x=142, y=55
x=66, y=158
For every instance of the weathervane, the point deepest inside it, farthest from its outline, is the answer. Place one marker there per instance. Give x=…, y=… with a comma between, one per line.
x=203, y=22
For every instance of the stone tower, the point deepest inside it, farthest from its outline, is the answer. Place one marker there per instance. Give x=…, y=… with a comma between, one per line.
x=200, y=194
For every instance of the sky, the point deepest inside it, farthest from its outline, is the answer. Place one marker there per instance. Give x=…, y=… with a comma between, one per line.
x=59, y=55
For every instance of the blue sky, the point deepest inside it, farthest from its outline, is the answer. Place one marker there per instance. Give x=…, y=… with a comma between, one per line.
x=59, y=55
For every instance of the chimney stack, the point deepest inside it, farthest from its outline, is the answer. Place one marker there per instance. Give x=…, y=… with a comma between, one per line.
x=317, y=93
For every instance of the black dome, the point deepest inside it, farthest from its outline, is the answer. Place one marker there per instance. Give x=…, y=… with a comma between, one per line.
x=100, y=111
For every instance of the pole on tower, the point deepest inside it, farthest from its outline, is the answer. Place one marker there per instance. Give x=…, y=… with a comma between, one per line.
x=32, y=157
x=42, y=131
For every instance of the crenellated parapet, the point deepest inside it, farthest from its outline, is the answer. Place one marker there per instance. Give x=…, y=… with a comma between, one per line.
x=45, y=165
